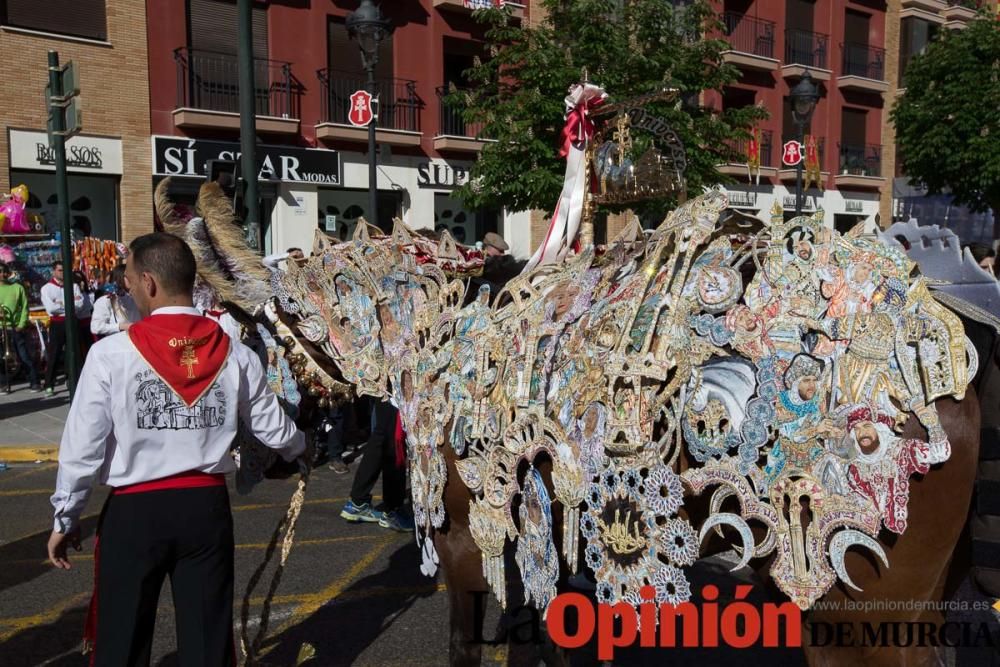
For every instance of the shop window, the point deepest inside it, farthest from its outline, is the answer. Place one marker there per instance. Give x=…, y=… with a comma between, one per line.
x=340, y=209
x=78, y=18
x=93, y=202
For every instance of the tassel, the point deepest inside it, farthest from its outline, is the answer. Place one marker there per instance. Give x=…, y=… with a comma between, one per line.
x=571, y=538
x=400, y=442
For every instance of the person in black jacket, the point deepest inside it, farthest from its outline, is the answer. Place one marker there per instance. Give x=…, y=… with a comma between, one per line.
x=500, y=267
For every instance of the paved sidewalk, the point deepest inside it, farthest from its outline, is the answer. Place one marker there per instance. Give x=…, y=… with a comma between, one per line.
x=31, y=424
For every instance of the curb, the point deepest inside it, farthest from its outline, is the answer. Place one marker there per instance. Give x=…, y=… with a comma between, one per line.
x=29, y=453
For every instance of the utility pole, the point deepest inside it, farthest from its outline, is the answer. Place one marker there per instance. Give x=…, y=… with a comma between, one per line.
x=60, y=100
x=248, y=126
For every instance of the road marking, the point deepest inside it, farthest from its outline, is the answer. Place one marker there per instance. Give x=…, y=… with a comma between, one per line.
x=314, y=501
x=23, y=623
x=42, y=468
x=314, y=602
x=28, y=492
x=350, y=596
x=255, y=545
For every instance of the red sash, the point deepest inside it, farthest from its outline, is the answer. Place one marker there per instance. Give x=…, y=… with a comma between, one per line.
x=186, y=351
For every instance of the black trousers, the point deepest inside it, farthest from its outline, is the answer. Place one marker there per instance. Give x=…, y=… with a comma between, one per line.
x=54, y=351
x=186, y=534
x=380, y=458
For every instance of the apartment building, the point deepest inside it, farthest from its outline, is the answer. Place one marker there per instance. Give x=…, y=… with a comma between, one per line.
x=856, y=51
x=109, y=162
x=314, y=163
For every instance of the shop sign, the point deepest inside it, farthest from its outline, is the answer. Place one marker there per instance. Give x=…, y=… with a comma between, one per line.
x=441, y=175
x=853, y=206
x=177, y=156
x=84, y=154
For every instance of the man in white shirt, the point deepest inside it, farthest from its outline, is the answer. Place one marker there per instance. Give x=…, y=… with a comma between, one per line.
x=52, y=299
x=115, y=311
x=155, y=416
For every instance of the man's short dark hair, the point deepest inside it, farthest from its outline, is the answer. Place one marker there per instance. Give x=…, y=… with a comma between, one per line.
x=57, y=263
x=168, y=258
x=293, y=249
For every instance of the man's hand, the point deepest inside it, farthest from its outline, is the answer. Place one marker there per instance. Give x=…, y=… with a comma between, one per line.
x=57, y=547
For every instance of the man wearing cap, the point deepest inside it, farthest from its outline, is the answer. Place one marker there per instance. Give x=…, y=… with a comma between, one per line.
x=154, y=418
x=500, y=267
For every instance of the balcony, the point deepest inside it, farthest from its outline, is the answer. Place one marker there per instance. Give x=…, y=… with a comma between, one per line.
x=959, y=13
x=454, y=132
x=468, y=6
x=789, y=173
x=751, y=41
x=398, y=109
x=863, y=69
x=860, y=166
x=806, y=50
x=208, y=93
x=932, y=6
x=961, y=10
x=739, y=167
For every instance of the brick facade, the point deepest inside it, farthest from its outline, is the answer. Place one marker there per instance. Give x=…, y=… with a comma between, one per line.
x=115, y=93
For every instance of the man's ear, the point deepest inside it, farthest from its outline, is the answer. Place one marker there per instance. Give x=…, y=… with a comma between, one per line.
x=150, y=283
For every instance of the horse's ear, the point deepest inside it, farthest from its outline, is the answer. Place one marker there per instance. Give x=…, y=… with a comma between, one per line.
x=447, y=248
x=321, y=242
x=361, y=231
x=401, y=234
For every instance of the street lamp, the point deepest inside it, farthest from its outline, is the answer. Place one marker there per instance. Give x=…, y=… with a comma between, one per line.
x=369, y=27
x=804, y=97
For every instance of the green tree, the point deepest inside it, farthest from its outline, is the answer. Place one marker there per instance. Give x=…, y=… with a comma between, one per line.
x=948, y=119
x=631, y=48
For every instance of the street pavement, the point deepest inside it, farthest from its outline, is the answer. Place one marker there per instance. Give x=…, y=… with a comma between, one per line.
x=349, y=595
x=32, y=423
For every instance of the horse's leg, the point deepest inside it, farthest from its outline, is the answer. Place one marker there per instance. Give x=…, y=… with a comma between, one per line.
x=919, y=558
x=462, y=566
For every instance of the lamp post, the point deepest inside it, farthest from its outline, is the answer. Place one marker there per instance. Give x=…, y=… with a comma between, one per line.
x=804, y=97
x=369, y=27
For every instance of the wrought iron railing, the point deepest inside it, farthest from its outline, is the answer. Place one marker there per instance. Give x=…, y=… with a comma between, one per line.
x=398, y=106
x=211, y=81
x=452, y=122
x=861, y=159
x=748, y=34
x=864, y=60
x=741, y=148
x=803, y=47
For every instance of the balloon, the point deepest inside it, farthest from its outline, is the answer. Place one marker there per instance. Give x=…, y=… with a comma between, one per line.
x=13, y=219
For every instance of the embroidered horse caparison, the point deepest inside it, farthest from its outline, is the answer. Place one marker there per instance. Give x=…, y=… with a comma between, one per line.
x=782, y=358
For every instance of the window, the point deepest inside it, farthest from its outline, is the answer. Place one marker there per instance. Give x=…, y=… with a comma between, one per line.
x=344, y=54
x=79, y=18
x=914, y=36
x=213, y=25
x=737, y=98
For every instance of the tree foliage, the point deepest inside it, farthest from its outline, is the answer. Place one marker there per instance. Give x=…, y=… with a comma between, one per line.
x=631, y=48
x=948, y=119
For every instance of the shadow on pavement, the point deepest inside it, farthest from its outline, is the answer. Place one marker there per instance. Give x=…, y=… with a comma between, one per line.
x=31, y=403
x=25, y=559
x=56, y=644
x=344, y=627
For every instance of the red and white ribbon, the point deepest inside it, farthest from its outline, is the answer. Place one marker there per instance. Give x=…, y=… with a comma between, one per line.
x=576, y=135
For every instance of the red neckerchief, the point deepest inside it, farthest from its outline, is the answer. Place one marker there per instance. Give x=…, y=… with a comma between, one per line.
x=53, y=281
x=186, y=351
